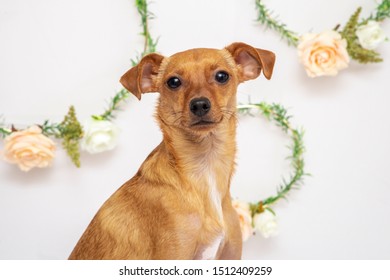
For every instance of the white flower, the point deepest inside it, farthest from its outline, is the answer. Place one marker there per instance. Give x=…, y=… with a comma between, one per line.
x=244, y=216
x=370, y=35
x=99, y=136
x=265, y=223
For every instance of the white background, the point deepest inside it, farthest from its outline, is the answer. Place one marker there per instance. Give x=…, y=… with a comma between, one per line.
x=57, y=53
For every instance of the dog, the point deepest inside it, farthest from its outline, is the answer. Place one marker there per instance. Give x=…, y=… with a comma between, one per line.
x=178, y=205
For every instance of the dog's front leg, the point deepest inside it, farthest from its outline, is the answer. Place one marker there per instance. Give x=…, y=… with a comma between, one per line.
x=232, y=249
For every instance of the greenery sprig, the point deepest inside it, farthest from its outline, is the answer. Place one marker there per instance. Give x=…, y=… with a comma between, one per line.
x=381, y=13
x=150, y=44
x=4, y=132
x=113, y=106
x=70, y=131
x=278, y=114
x=266, y=18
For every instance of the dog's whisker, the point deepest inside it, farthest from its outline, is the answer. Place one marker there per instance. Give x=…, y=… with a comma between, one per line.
x=177, y=113
x=228, y=113
x=177, y=121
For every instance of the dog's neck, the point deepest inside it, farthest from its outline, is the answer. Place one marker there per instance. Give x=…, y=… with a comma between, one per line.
x=205, y=162
x=192, y=153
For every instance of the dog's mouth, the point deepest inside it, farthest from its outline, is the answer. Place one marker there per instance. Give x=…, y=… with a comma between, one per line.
x=204, y=123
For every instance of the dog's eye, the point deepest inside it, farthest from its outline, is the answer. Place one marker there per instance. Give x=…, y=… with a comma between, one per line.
x=173, y=83
x=221, y=77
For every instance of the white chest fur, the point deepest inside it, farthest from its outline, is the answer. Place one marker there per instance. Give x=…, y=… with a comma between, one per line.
x=210, y=252
x=215, y=196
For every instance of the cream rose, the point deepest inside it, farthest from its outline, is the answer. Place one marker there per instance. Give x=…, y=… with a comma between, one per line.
x=370, y=35
x=245, y=218
x=29, y=148
x=265, y=223
x=99, y=136
x=323, y=54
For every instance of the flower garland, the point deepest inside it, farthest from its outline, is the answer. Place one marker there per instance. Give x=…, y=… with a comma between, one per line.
x=328, y=52
x=32, y=147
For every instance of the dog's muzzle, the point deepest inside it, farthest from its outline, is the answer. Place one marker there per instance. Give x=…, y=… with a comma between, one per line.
x=200, y=106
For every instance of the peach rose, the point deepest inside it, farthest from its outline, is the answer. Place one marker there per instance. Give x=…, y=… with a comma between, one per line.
x=323, y=54
x=244, y=215
x=29, y=148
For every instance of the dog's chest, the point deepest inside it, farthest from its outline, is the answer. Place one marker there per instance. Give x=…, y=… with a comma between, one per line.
x=212, y=177
x=214, y=195
x=210, y=251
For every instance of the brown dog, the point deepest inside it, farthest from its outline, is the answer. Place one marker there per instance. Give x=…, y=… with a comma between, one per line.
x=178, y=205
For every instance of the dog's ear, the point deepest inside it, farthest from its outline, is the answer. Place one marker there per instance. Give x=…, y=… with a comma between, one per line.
x=142, y=78
x=252, y=61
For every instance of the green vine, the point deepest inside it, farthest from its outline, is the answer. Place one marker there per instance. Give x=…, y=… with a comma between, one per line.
x=122, y=95
x=150, y=44
x=265, y=18
x=382, y=12
x=51, y=129
x=278, y=114
x=4, y=132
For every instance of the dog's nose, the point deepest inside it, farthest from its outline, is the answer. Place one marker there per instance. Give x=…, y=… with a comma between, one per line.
x=200, y=106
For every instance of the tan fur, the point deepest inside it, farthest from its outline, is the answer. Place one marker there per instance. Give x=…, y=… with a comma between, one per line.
x=178, y=205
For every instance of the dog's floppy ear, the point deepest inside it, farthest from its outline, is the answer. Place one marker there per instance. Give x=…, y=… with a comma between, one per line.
x=142, y=78
x=252, y=61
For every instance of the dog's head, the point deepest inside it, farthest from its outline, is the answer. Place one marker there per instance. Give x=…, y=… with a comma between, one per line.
x=198, y=87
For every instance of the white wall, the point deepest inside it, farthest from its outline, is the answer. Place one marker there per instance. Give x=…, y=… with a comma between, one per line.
x=57, y=53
